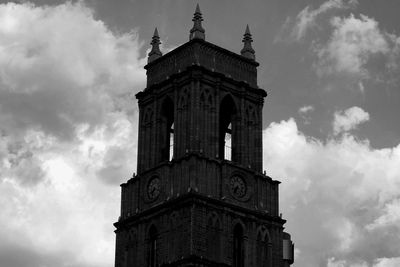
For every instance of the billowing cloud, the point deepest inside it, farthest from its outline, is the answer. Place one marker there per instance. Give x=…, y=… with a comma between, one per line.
x=347, y=50
x=61, y=70
x=67, y=131
x=340, y=196
x=349, y=119
x=60, y=66
x=388, y=262
x=306, y=19
x=297, y=28
x=352, y=44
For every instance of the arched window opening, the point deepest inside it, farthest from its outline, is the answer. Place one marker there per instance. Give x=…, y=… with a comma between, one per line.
x=262, y=250
x=167, y=134
x=238, y=246
x=227, y=129
x=152, y=247
x=171, y=142
x=228, y=143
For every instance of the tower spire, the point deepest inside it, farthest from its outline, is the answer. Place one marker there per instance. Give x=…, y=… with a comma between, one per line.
x=197, y=32
x=155, y=47
x=248, y=50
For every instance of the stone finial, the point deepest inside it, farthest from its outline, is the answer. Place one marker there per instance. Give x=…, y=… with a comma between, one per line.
x=197, y=32
x=155, y=47
x=247, y=50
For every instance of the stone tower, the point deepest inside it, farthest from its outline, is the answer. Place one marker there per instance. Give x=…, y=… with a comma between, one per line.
x=199, y=197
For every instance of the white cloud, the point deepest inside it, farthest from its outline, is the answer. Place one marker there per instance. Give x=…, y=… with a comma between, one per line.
x=56, y=62
x=67, y=131
x=349, y=119
x=307, y=18
x=388, y=262
x=389, y=217
x=338, y=196
x=353, y=42
x=306, y=109
x=383, y=262
x=346, y=49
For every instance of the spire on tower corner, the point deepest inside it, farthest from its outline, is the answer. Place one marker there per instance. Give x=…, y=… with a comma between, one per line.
x=155, y=34
x=155, y=47
x=248, y=50
x=246, y=32
x=197, y=32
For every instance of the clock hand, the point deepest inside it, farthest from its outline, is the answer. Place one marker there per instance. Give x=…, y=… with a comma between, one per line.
x=236, y=189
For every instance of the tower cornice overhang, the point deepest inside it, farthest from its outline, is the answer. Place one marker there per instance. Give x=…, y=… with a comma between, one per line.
x=199, y=156
x=193, y=198
x=188, y=74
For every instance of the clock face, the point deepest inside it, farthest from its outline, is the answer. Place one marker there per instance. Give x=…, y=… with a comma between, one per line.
x=153, y=188
x=237, y=186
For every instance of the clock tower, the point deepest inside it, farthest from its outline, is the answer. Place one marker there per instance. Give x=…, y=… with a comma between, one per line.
x=199, y=197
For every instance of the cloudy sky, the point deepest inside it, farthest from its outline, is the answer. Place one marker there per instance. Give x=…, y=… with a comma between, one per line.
x=68, y=120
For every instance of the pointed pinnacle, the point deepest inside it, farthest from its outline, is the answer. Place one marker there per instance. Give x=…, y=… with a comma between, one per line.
x=197, y=9
x=247, y=50
x=155, y=40
x=155, y=49
x=247, y=35
x=247, y=30
x=197, y=32
x=155, y=33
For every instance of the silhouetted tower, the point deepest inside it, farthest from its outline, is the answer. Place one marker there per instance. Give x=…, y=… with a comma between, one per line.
x=199, y=197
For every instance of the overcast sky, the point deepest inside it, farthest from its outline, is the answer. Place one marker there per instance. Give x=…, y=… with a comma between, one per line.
x=68, y=120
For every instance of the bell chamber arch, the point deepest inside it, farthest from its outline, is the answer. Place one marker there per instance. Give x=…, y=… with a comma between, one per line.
x=167, y=129
x=227, y=139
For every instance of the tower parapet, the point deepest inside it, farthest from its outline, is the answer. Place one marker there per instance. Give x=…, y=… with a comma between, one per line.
x=202, y=53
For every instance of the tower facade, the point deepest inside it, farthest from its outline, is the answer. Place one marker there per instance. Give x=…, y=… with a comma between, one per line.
x=199, y=197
